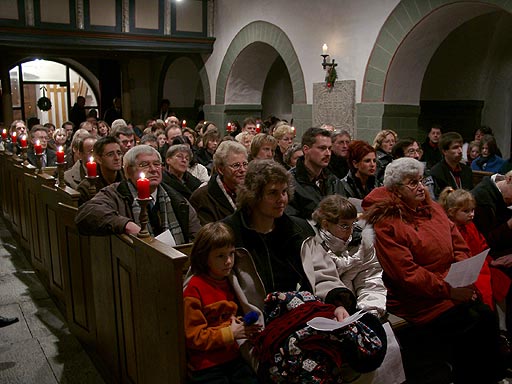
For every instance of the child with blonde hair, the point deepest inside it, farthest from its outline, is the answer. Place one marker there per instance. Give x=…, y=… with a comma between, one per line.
x=211, y=308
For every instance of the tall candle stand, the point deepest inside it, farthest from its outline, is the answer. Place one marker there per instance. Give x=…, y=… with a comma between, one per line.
x=143, y=217
x=93, y=180
x=39, y=162
x=24, y=155
x=60, y=174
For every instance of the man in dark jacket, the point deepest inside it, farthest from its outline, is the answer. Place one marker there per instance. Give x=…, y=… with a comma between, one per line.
x=339, y=156
x=450, y=172
x=431, y=152
x=311, y=178
x=39, y=134
x=115, y=208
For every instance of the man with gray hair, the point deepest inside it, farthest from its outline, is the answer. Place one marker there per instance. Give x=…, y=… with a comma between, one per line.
x=115, y=208
x=217, y=199
x=339, y=155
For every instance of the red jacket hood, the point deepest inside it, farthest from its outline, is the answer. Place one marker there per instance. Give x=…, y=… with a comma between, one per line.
x=381, y=203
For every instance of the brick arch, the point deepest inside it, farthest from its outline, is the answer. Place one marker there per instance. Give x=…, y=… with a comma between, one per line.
x=267, y=33
x=407, y=41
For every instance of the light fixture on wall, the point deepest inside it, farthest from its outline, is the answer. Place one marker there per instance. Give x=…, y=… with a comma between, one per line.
x=330, y=67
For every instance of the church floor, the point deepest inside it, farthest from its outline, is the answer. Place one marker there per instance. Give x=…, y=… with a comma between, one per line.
x=39, y=348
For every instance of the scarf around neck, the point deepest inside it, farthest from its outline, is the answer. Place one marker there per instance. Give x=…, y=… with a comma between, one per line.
x=166, y=214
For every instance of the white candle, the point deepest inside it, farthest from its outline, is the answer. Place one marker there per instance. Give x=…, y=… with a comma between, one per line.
x=324, y=49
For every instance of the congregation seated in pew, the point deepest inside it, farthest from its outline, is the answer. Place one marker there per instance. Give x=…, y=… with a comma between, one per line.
x=115, y=210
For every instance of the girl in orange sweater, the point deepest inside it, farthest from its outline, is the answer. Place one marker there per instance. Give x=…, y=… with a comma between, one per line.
x=210, y=306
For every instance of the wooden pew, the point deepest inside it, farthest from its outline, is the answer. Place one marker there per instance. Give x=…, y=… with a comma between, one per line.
x=121, y=295
x=479, y=175
x=144, y=304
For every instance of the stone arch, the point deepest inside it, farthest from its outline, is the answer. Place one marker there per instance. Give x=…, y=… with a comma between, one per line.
x=261, y=33
x=203, y=75
x=407, y=41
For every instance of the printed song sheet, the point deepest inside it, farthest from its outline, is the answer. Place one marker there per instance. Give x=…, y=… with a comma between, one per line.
x=465, y=272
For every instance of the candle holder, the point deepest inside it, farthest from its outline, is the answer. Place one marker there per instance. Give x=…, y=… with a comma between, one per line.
x=92, y=184
x=60, y=172
x=39, y=162
x=143, y=217
x=24, y=155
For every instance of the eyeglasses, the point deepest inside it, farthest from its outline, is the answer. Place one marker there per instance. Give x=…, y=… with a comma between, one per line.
x=145, y=165
x=181, y=156
x=113, y=153
x=414, y=184
x=412, y=151
x=237, y=166
x=346, y=227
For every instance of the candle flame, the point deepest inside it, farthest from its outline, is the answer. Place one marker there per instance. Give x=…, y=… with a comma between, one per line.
x=61, y=149
x=4, y=131
x=142, y=175
x=184, y=121
x=14, y=134
x=24, y=137
x=38, y=142
x=91, y=159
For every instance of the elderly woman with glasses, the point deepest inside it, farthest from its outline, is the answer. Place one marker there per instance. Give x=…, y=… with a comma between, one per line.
x=416, y=244
x=177, y=175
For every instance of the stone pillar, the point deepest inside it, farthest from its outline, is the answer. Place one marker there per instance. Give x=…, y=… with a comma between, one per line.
x=302, y=115
x=335, y=105
x=373, y=117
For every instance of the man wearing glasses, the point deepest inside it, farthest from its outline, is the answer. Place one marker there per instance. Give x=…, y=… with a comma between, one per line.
x=109, y=159
x=74, y=176
x=39, y=134
x=115, y=209
x=217, y=199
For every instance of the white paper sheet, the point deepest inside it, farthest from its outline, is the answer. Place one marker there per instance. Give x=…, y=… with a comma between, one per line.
x=167, y=238
x=325, y=324
x=465, y=272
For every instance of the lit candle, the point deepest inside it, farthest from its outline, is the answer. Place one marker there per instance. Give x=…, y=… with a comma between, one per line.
x=229, y=127
x=4, y=134
x=13, y=137
x=23, y=141
x=184, y=123
x=60, y=155
x=293, y=130
x=324, y=49
x=143, y=187
x=258, y=128
x=91, y=167
x=38, y=149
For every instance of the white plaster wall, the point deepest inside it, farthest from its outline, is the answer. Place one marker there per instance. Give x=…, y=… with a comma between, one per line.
x=348, y=27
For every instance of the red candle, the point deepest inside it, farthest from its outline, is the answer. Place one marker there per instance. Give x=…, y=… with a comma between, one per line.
x=38, y=149
x=229, y=127
x=23, y=141
x=143, y=187
x=184, y=123
x=60, y=155
x=4, y=134
x=13, y=137
x=91, y=168
x=258, y=128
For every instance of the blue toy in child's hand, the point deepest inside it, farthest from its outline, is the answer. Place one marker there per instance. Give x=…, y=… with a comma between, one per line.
x=250, y=317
